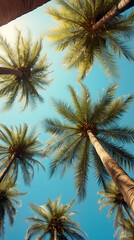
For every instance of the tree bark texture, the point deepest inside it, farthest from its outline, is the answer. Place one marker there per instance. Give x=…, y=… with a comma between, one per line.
x=11, y=9
x=11, y=71
x=122, y=6
x=119, y=176
x=7, y=167
x=55, y=234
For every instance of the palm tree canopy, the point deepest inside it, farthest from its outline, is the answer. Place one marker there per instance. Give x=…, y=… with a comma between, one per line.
x=126, y=229
x=74, y=32
x=112, y=197
x=25, y=57
x=7, y=197
x=25, y=146
x=70, y=144
x=54, y=215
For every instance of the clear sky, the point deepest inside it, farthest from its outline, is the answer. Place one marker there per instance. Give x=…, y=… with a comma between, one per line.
x=95, y=224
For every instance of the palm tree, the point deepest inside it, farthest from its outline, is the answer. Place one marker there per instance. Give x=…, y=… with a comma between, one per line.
x=27, y=71
x=55, y=221
x=19, y=150
x=7, y=197
x=118, y=8
x=9, y=10
x=92, y=129
x=126, y=229
x=112, y=197
x=77, y=20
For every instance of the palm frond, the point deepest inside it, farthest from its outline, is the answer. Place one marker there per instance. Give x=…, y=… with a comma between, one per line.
x=100, y=108
x=116, y=110
x=101, y=174
x=121, y=134
x=56, y=127
x=66, y=155
x=82, y=169
x=66, y=111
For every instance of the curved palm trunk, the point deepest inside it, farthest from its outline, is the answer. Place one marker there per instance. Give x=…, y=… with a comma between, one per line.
x=119, y=8
x=119, y=176
x=11, y=9
x=4, y=70
x=7, y=167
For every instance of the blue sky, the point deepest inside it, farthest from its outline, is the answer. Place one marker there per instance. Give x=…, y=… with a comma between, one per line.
x=95, y=224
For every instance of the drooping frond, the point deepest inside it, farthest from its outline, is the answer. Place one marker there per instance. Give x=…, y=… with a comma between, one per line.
x=101, y=174
x=82, y=169
x=66, y=155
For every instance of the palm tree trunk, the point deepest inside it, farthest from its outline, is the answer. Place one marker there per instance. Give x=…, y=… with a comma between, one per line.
x=55, y=234
x=4, y=70
x=7, y=167
x=119, y=8
x=119, y=176
x=11, y=9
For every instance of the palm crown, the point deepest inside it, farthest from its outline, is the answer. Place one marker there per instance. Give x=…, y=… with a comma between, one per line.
x=7, y=197
x=70, y=144
x=25, y=57
x=22, y=147
x=126, y=229
x=55, y=221
x=85, y=45
x=112, y=197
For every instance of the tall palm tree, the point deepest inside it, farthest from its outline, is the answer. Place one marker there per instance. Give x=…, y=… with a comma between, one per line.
x=126, y=229
x=19, y=149
x=55, y=221
x=7, y=199
x=113, y=198
x=27, y=71
x=9, y=10
x=77, y=20
x=92, y=129
x=118, y=8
